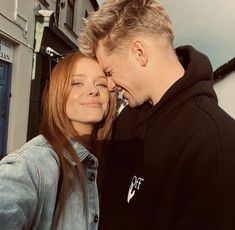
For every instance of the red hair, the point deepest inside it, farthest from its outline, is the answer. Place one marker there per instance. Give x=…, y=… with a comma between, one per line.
x=57, y=128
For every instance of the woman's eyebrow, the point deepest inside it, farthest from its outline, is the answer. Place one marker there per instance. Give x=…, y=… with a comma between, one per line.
x=84, y=75
x=79, y=75
x=102, y=76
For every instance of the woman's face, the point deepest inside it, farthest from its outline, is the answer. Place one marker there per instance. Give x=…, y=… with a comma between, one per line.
x=88, y=100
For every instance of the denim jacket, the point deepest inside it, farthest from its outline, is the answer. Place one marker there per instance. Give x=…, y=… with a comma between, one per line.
x=28, y=189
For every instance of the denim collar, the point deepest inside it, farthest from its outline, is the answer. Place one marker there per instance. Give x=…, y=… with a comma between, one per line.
x=81, y=151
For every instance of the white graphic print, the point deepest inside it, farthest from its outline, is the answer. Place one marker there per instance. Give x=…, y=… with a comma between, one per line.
x=135, y=184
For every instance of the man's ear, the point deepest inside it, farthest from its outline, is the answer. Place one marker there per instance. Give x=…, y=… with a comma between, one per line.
x=140, y=52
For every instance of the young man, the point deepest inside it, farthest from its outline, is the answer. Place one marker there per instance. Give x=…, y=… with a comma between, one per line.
x=172, y=165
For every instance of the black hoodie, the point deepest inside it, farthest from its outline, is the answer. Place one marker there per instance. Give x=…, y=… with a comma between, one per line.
x=172, y=165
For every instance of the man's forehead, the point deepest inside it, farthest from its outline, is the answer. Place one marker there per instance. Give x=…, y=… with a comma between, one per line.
x=100, y=51
x=102, y=57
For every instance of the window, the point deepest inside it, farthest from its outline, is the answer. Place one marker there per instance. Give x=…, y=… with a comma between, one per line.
x=86, y=14
x=44, y=2
x=70, y=13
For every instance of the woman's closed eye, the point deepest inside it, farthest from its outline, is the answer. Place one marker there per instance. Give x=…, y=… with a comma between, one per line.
x=76, y=83
x=102, y=84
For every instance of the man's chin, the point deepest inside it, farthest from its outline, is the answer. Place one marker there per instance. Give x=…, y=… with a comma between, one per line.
x=132, y=104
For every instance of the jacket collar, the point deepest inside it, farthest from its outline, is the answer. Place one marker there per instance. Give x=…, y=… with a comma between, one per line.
x=81, y=151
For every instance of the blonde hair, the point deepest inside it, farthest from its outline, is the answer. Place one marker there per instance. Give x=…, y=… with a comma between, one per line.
x=117, y=21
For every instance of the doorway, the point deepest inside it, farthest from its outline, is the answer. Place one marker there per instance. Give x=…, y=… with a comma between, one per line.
x=5, y=82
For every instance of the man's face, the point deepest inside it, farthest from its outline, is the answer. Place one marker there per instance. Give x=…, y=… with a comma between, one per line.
x=123, y=74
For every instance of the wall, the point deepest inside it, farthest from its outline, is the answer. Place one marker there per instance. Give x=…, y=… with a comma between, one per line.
x=80, y=7
x=17, y=27
x=225, y=90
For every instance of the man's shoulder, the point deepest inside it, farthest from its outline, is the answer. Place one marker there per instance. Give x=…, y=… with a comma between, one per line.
x=220, y=119
x=128, y=119
x=132, y=114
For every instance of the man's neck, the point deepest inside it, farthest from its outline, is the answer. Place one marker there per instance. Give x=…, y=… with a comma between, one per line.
x=170, y=71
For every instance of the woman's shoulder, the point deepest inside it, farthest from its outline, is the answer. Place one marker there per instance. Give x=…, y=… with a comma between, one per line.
x=37, y=152
x=28, y=182
x=38, y=143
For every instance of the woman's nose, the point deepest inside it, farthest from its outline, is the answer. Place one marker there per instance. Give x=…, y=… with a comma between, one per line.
x=93, y=90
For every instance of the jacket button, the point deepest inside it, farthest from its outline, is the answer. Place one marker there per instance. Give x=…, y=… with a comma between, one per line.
x=96, y=218
x=92, y=177
x=91, y=161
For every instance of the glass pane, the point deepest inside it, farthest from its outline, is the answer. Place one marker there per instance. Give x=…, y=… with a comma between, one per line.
x=71, y=2
x=1, y=99
x=86, y=14
x=69, y=19
x=1, y=72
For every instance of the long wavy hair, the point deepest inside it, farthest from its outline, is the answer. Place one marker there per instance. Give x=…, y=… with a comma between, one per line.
x=57, y=129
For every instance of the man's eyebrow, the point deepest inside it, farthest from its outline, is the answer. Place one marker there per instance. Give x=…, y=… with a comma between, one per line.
x=105, y=70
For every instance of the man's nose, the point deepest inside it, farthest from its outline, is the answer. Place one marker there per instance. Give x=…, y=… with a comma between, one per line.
x=111, y=85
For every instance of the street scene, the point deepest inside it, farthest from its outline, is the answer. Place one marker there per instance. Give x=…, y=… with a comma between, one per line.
x=117, y=114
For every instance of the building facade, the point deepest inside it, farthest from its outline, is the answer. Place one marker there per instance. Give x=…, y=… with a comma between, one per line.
x=17, y=41
x=33, y=36
x=224, y=78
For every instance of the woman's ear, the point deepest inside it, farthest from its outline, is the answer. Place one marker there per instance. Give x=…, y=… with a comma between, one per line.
x=140, y=52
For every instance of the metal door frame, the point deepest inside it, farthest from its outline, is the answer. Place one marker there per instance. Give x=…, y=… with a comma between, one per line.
x=6, y=112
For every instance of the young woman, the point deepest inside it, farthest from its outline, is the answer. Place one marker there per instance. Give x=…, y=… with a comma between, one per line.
x=50, y=182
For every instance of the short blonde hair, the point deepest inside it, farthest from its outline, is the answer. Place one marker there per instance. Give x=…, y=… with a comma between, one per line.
x=117, y=21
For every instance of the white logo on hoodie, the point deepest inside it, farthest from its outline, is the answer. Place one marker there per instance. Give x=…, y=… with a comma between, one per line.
x=135, y=185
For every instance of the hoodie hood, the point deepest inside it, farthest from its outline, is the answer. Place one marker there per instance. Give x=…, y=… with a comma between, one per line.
x=197, y=80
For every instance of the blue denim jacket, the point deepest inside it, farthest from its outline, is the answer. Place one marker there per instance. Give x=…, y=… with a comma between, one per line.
x=28, y=189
